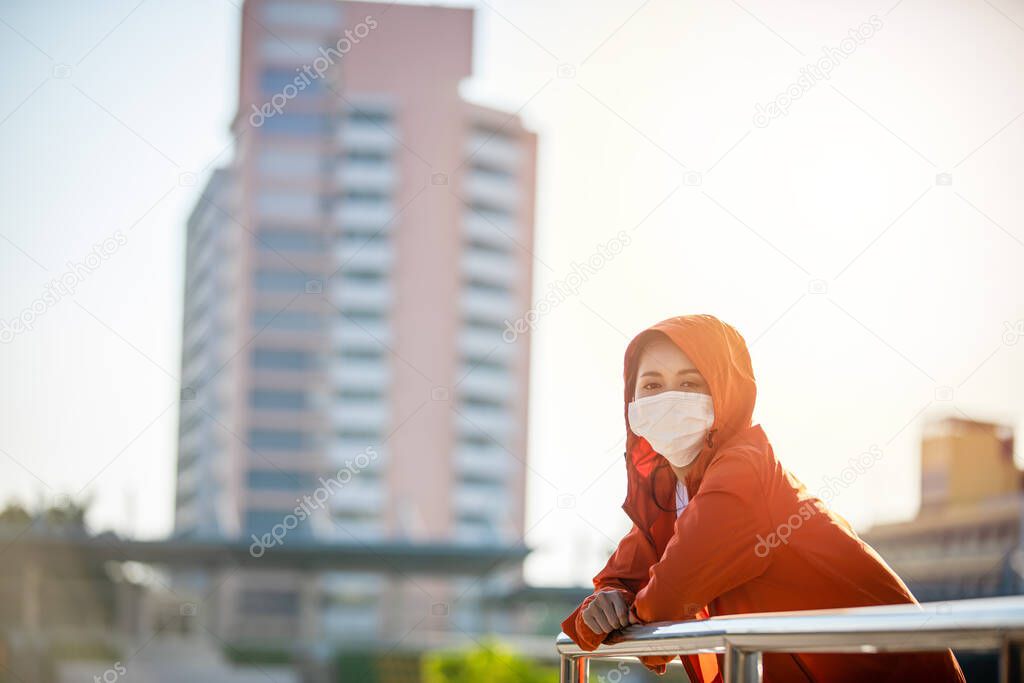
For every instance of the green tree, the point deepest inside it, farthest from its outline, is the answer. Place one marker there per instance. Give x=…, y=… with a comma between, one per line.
x=489, y=662
x=15, y=515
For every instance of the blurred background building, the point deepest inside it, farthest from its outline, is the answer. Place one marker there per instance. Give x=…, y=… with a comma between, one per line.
x=965, y=541
x=349, y=273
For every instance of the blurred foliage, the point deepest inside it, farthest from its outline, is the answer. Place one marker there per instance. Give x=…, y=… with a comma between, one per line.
x=354, y=666
x=489, y=662
x=65, y=517
x=368, y=667
x=14, y=514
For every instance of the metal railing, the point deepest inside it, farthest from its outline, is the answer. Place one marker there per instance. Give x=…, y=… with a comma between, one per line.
x=979, y=625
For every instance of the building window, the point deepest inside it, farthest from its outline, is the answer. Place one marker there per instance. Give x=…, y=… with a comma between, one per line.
x=261, y=521
x=484, y=326
x=489, y=287
x=286, y=320
x=361, y=354
x=366, y=156
x=492, y=172
x=280, y=281
x=285, y=163
x=362, y=317
x=278, y=439
x=291, y=205
x=274, y=81
x=280, y=480
x=297, y=123
x=289, y=240
x=302, y=14
x=360, y=394
x=486, y=247
x=490, y=212
x=364, y=196
x=266, y=399
x=275, y=359
x=358, y=434
x=295, y=51
x=369, y=116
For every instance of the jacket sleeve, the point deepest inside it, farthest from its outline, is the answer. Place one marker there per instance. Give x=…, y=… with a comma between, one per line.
x=627, y=571
x=714, y=547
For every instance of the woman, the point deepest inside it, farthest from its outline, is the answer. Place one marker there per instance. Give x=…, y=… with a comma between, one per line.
x=709, y=500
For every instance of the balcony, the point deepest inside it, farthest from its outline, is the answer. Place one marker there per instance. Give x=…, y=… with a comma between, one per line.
x=361, y=334
x=360, y=415
x=364, y=216
x=360, y=375
x=368, y=136
x=366, y=176
x=356, y=294
x=365, y=254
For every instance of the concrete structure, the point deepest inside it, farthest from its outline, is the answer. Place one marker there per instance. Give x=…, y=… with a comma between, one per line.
x=966, y=540
x=349, y=276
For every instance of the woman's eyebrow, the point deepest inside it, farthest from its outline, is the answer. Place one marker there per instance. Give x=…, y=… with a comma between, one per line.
x=685, y=371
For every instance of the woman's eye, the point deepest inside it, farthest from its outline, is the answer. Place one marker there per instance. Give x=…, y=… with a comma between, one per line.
x=650, y=386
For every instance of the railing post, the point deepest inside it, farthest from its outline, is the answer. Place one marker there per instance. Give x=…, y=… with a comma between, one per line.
x=742, y=666
x=1011, y=662
x=574, y=669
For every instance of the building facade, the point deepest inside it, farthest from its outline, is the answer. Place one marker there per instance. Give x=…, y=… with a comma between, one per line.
x=965, y=541
x=349, y=277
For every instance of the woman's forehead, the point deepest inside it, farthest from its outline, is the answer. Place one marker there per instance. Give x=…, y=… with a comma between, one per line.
x=661, y=355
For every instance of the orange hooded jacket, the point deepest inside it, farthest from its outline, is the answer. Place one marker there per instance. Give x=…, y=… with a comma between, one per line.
x=751, y=539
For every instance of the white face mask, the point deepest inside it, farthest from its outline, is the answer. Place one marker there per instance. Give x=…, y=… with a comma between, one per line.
x=675, y=423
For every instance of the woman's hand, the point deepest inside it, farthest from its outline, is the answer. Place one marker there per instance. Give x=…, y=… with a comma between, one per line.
x=608, y=612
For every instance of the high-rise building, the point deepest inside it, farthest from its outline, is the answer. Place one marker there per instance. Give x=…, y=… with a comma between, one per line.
x=349, y=277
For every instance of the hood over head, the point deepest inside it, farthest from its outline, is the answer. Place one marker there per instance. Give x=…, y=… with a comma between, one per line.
x=720, y=354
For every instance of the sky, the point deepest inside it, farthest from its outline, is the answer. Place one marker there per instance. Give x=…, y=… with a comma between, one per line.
x=851, y=203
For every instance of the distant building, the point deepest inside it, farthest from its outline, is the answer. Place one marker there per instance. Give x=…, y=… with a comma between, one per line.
x=965, y=541
x=349, y=278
